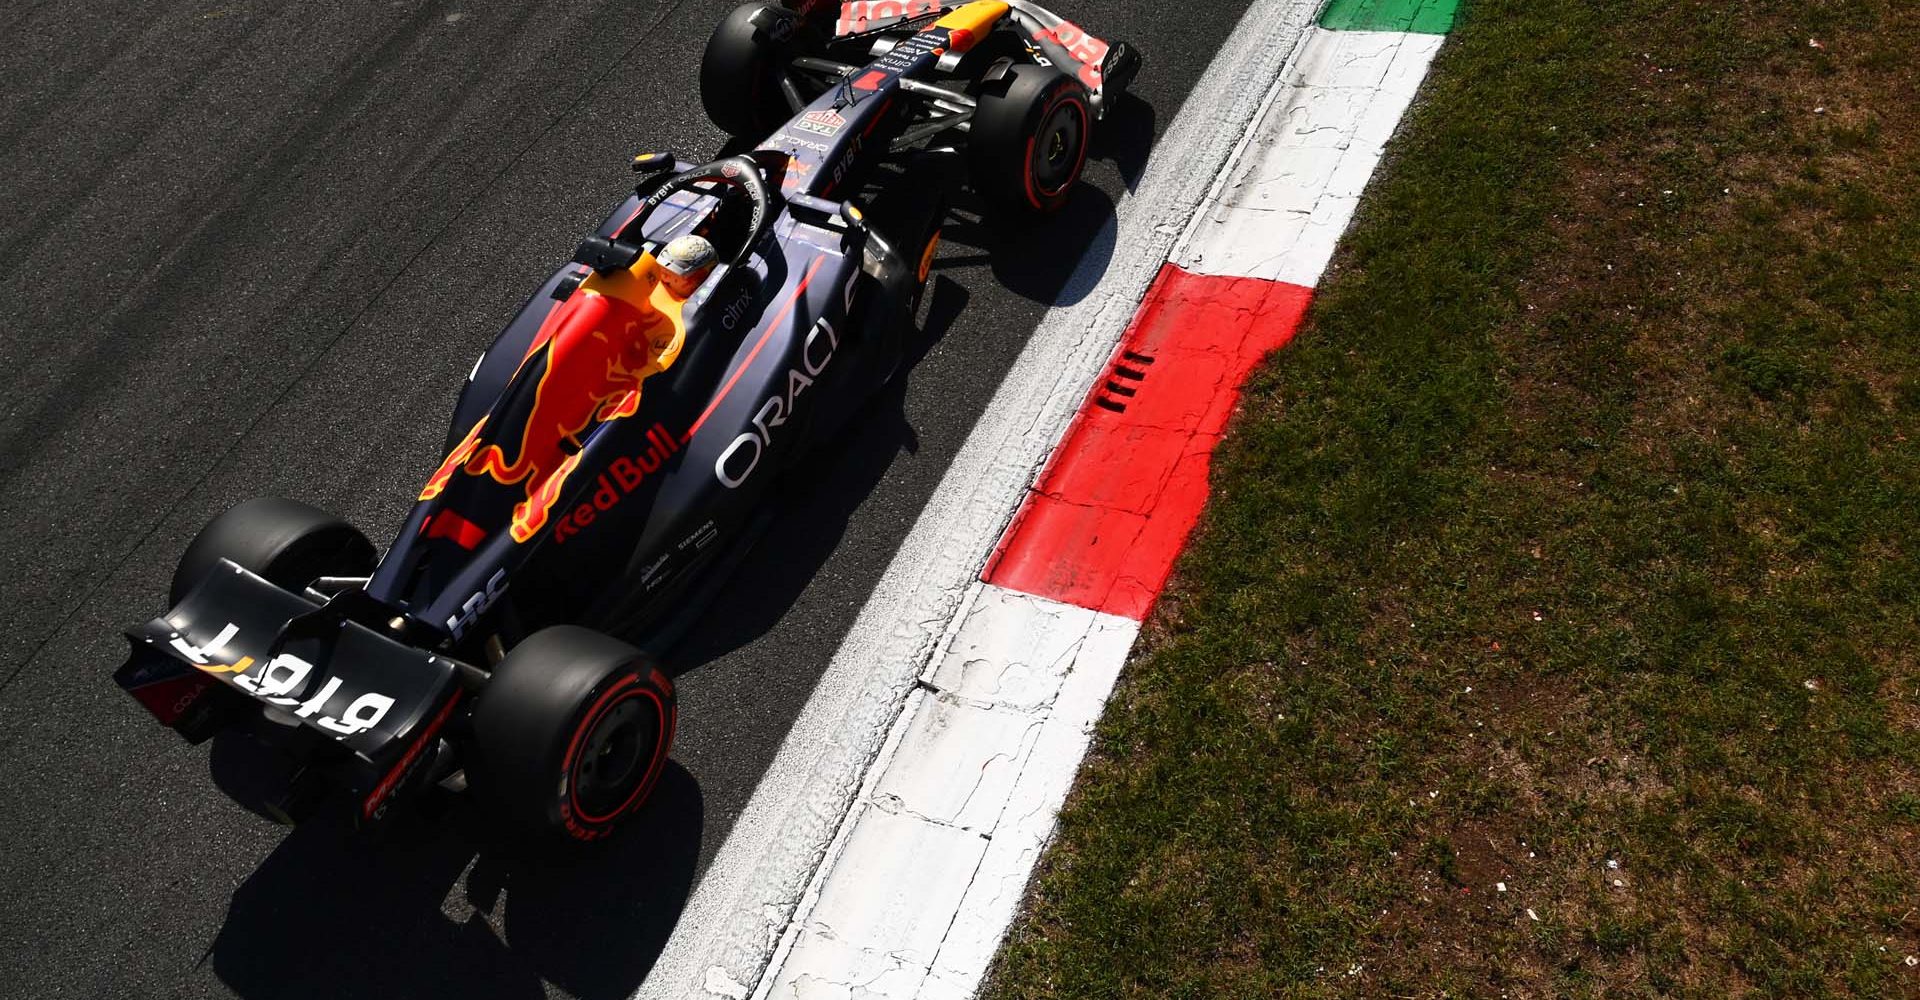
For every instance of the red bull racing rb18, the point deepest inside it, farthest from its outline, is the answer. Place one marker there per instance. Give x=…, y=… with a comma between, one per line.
x=614, y=450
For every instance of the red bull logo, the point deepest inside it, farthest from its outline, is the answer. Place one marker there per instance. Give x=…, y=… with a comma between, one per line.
x=612, y=334
x=623, y=476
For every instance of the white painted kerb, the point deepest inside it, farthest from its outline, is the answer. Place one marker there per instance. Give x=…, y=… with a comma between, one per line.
x=927, y=874
x=1291, y=191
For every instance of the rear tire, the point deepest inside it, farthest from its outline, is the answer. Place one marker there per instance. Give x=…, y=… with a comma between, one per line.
x=1029, y=139
x=571, y=733
x=286, y=542
x=740, y=77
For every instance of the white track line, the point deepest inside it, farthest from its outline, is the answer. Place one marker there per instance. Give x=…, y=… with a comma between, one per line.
x=737, y=915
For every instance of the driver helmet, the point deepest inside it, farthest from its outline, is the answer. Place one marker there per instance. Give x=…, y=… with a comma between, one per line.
x=685, y=263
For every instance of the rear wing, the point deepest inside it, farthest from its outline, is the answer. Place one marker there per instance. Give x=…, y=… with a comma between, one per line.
x=301, y=663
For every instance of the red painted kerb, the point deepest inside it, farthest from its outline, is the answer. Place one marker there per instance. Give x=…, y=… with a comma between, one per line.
x=1102, y=526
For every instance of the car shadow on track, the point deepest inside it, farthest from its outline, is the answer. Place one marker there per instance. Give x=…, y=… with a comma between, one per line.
x=448, y=909
x=1125, y=138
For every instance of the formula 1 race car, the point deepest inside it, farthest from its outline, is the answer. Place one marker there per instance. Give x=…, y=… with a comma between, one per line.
x=611, y=456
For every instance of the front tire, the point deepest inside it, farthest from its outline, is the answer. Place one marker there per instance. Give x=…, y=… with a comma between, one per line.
x=571, y=733
x=288, y=543
x=740, y=77
x=1029, y=139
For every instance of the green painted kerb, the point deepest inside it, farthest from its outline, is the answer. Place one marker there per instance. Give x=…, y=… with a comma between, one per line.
x=1431, y=17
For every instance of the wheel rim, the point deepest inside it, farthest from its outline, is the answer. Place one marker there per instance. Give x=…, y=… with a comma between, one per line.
x=614, y=759
x=1057, y=147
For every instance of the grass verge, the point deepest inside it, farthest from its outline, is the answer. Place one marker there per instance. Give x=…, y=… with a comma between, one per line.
x=1571, y=549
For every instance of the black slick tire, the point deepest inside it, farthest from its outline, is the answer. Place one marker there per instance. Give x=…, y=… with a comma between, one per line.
x=571, y=733
x=740, y=77
x=286, y=542
x=1028, y=142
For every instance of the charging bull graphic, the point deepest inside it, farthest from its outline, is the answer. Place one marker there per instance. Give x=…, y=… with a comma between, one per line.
x=608, y=337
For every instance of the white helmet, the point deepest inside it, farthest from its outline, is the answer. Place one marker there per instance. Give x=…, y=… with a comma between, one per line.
x=687, y=261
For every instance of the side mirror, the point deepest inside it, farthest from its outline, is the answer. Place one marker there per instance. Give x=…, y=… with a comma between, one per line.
x=859, y=234
x=653, y=163
x=854, y=218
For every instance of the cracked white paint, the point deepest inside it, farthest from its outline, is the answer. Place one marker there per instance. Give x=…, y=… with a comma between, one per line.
x=934, y=859
x=1293, y=187
x=957, y=763
x=741, y=913
x=720, y=984
x=1013, y=655
x=912, y=875
x=1027, y=821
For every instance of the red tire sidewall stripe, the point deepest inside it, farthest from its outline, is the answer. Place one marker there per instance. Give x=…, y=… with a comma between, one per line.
x=621, y=691
x=1033, y=197
x=669, y=727
x=1067, y=93
x=1086, y=138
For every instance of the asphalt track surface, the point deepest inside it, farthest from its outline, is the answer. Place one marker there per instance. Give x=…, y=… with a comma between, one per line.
x=252, y=248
